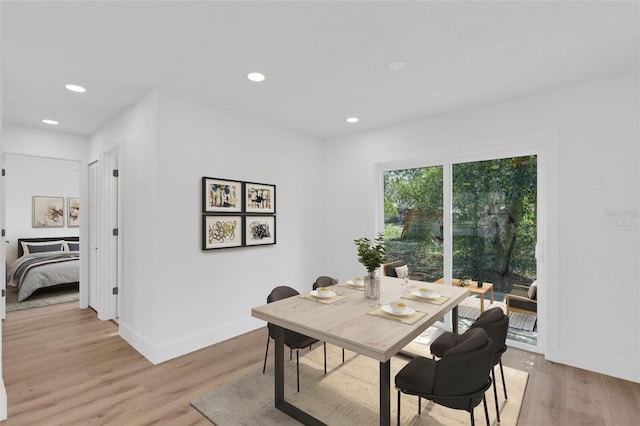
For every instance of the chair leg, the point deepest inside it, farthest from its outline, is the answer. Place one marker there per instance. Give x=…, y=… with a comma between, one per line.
x=398, y=408
x=298, y=369
x=343, y=355
x=495, y=392
x=325, y=358
x=473, y=419
x=290, y=354
x=419, y=405
x=486, y=410
x=264, y=366
x=504, y=384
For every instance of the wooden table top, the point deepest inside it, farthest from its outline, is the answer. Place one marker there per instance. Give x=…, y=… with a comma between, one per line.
x=346, y=323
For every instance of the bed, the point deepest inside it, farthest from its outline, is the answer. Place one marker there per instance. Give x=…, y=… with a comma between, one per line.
x=45, y=262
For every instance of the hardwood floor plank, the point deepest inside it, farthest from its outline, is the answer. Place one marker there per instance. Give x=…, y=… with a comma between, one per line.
x=62, y=366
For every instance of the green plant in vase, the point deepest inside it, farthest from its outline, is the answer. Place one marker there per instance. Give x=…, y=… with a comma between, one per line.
x=371, y=254
x=464, y=280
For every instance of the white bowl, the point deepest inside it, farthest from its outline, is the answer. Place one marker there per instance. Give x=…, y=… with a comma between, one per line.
x=323, y=291
x=425, y=292
x=397, y=307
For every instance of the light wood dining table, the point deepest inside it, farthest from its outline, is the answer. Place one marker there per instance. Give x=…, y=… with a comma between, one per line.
x=347, y=323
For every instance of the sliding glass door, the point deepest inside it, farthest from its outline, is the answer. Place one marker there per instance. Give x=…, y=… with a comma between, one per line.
x=472, y=219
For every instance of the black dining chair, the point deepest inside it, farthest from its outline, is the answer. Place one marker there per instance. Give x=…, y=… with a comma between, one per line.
x=324, y=281
x=458, y=380
x=294, y=341
x=496, y=324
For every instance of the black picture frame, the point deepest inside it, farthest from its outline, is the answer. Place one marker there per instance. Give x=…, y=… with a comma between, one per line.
x=220, y=231
x=259, y=198
x=259, y=230
x=222, y=195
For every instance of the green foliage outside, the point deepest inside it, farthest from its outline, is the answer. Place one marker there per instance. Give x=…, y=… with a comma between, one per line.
x=494, y=220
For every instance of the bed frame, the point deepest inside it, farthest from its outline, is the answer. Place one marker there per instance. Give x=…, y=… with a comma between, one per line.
x=41, y=240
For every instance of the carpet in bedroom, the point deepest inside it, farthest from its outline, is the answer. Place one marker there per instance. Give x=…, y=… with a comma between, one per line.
x=42, y=297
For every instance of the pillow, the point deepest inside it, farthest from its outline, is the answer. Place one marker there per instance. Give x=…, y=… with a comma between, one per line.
x=533, y=290
x=402, y=271
x=73, y=245
x=45, y=246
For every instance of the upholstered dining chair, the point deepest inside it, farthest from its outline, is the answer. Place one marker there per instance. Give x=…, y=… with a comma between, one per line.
x=324, y=281
x=496, y=324
x=458, y=380
x=294, y=341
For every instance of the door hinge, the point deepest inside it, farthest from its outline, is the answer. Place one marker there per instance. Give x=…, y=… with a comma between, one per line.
x=116, y=172
x=115, y=232
x=115, y=290
x=2, y=293
x=3, y=233
x=3, y=172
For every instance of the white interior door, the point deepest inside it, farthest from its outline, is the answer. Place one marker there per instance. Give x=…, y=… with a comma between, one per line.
x=94, y=236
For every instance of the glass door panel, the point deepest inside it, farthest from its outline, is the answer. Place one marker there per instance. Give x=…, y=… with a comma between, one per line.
x=494, y=221
x=413, y=220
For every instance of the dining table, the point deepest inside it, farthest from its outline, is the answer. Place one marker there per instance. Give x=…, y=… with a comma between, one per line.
x=350, y=321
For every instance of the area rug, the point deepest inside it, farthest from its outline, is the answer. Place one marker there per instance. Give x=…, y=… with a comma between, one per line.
x=347, y=395
x=470, y=308
x=42, y=297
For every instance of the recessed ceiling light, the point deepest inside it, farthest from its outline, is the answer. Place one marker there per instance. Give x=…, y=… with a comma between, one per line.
x=396, y=65
x=255, y=76
x=52, y=122
x=353, y=120
x=75, y=88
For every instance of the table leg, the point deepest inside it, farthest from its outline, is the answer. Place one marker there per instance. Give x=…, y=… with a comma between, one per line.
x=280, y=403
x=481, y=303
x=454, y=319
x=492, y=295
x=385, y=395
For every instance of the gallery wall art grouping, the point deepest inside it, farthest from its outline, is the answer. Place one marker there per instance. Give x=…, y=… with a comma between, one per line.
x=237, y=214
x=48, y=212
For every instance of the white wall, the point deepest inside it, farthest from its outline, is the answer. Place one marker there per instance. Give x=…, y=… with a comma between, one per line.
x=43, y=143
x=590, y=136
x=29, y=176
x=177, y=298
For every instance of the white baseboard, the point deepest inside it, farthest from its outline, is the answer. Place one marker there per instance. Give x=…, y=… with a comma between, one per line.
x=157, y=354
x=3, y=401
x=598, y=363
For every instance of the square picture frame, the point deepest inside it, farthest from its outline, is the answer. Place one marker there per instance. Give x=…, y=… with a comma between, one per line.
x=73, y=212
x=47, y=212
x=259, y=198
x=260, y=230
x=221, y=231
x=221, y=195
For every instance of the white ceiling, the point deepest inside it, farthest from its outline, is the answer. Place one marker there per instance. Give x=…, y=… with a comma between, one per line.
x=324, y=61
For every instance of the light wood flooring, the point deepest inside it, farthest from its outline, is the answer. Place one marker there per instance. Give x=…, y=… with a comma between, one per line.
x=62, y=366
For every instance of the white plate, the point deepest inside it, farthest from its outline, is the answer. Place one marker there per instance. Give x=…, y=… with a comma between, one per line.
x=358, y=283
x=433, y=295
x=407, y=311
x=328, y=295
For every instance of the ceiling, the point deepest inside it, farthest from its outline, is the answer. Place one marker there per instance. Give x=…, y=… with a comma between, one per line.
x=324, y=61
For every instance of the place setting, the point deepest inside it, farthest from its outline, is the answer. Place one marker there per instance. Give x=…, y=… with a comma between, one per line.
x=324, y=295
x=398, y=311
x=357, y=283
x=424, y=294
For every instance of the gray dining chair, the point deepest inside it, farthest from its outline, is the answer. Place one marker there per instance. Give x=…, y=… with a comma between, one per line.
x=294, y=341
x=496, y=324
x=458, y=380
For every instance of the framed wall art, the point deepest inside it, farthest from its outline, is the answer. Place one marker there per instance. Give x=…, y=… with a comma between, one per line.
x=221, y=195
x=259, y=198
x=260, y=230
x=221, y=231
x=48, y=212
x=73, y=212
